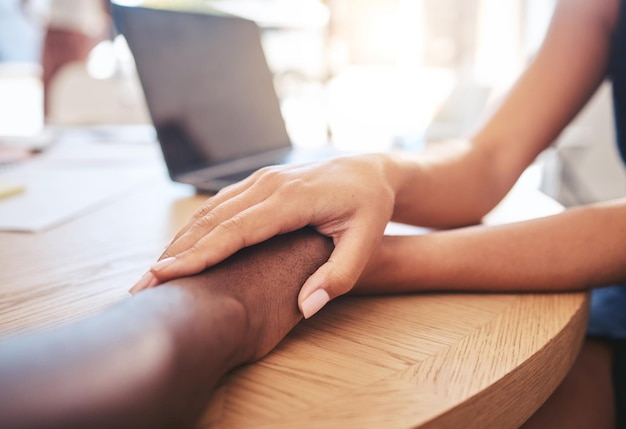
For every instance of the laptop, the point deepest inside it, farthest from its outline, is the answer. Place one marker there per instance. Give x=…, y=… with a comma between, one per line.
x=210, y=95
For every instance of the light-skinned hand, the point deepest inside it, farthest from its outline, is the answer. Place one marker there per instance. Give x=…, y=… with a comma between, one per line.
x=349, y=199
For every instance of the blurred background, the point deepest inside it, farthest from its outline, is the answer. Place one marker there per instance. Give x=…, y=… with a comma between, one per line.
x=372, y=73
x=369, y=74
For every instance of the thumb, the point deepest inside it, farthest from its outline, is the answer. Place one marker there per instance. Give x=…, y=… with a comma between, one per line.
x=338, y=275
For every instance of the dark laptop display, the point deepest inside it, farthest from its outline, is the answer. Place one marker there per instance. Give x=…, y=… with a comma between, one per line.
x=209, y=91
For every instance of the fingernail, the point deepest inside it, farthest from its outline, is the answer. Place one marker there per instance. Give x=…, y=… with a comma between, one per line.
x=314, y=303
x=163, y=263
x=145, y=282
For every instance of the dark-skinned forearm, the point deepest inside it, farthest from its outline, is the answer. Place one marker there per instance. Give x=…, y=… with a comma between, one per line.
x=152, y=360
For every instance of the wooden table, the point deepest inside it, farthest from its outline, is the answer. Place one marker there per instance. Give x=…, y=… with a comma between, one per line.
x=427, y=361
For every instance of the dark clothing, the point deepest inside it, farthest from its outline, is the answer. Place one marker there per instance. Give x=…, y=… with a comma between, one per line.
x=617, y=72
x=619, y=382
x=608, y=305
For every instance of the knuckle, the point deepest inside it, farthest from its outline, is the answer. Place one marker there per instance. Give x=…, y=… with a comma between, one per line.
x=204, y=209
x=205, y=222
x=233, y=227
x=268, y=175
x=343, y=281
x=276, y=174
x=265, y=170
x=292, y=188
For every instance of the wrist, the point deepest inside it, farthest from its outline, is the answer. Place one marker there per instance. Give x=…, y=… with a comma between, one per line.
x=378, y=274
x=399, y=265
x=394, y=168
x=197, y=311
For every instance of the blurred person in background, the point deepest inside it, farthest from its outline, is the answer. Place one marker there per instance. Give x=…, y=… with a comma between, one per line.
x=73, y=29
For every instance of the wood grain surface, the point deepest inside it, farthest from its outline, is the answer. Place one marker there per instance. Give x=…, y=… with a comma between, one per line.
x=428, y=361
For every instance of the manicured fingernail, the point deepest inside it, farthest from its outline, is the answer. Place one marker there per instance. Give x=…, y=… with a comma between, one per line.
x=314, y=303
x=163, y=263
x=145, y=282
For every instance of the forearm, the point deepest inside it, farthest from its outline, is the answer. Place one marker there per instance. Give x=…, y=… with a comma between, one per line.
x=578, y=249
x=459, y=187
x=153, y=360
x=451, y=185
x=135, y=365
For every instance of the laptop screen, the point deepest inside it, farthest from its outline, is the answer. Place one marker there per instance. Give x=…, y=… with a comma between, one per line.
x=207, y=85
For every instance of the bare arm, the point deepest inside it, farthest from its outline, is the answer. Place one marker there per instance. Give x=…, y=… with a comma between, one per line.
x=152, y=361
x=352, y=199
x=578, y=249
x=460, y=187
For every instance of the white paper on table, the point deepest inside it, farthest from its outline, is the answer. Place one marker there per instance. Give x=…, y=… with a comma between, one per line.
x=71, y=181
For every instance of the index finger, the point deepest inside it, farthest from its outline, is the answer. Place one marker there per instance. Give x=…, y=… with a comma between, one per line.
x=226, y=194
x=251, y=226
